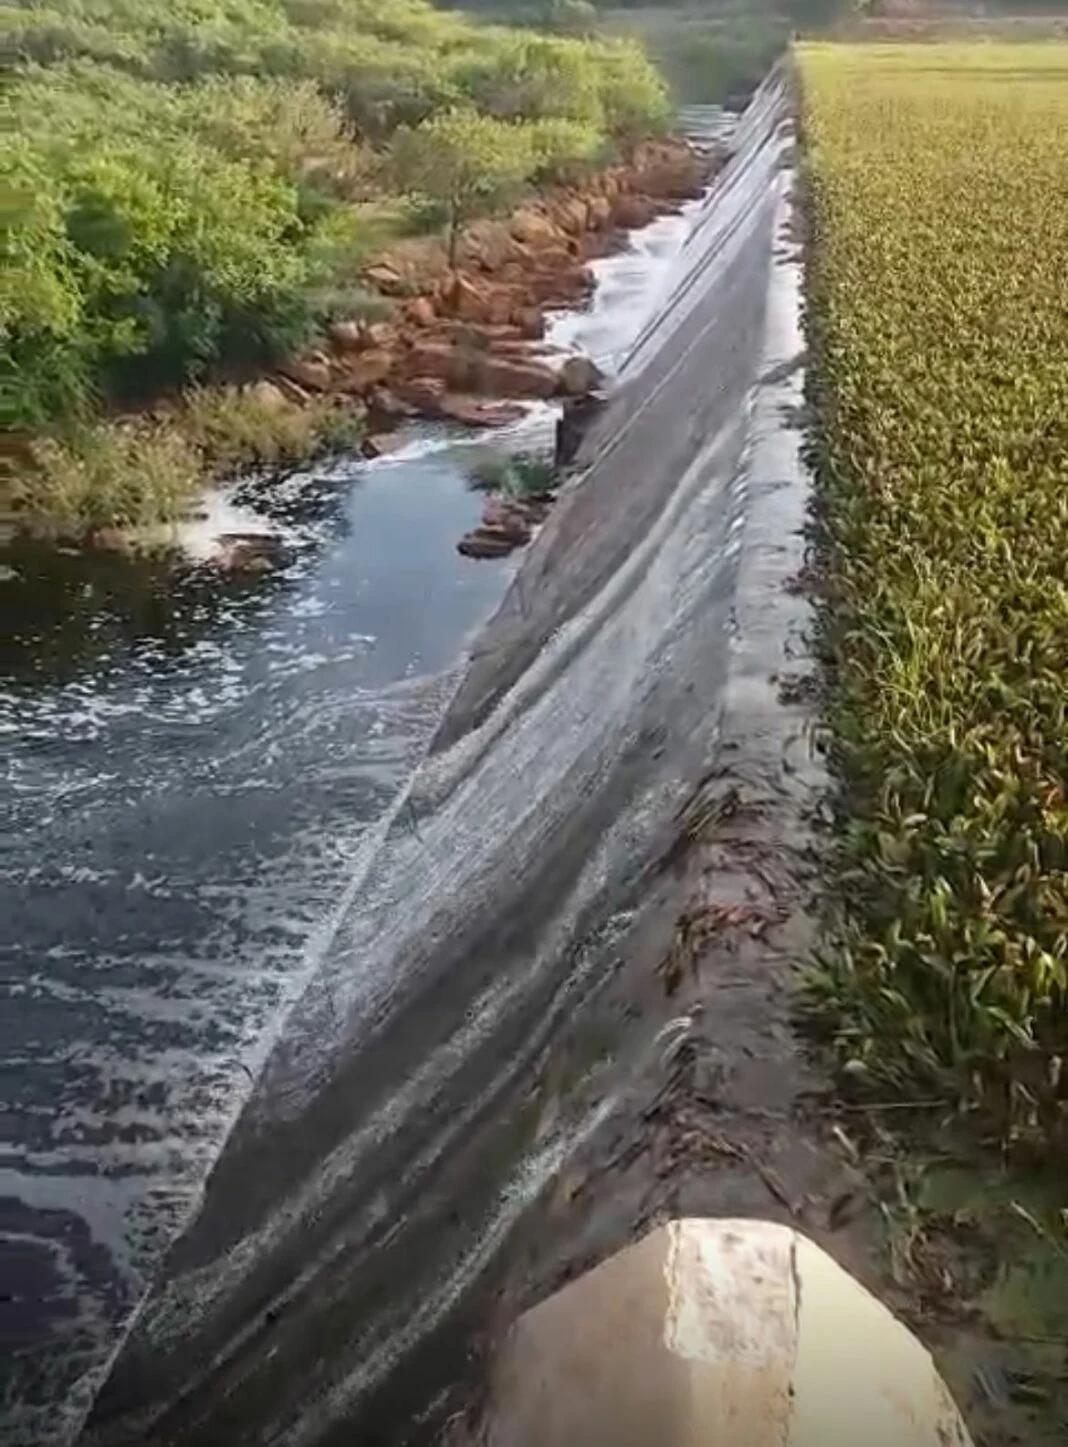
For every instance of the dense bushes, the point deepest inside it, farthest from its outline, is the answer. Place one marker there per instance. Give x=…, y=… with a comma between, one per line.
x=186, y=177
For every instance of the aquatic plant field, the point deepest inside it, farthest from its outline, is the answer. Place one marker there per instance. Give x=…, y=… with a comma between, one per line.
x=938, y=320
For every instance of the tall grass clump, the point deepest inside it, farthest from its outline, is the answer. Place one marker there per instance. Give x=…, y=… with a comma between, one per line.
x=938, y=322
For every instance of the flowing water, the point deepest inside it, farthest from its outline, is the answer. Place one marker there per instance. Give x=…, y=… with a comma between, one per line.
x=198, y=769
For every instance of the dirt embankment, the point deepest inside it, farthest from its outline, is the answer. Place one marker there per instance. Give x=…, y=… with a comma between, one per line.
x=462, y=345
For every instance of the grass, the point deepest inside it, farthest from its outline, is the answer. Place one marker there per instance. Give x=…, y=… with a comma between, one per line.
x=938, y=322
x=138, y=473
x=517, y=477
x=101, y=476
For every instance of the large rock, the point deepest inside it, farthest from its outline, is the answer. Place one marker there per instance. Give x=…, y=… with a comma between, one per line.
x=486, y=543
x=718, y=1334
x=387, y=278
x=312, y=371
x=366, y=369
x=598, y=212
x=571, y=215
x=480, y=302
x=420, y=311
x=434, y=357
x=379, y=444
x=500, y=514
x=578, y=376
x=633, y=211
x=268, y=395
x=479, y=411
x=422, y=394
x=513, y=377
x=529, y=322
x=534, y=229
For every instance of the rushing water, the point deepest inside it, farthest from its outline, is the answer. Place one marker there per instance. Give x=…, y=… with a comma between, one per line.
x=194, y=764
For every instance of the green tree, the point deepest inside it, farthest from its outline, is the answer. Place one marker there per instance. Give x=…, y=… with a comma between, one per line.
x=464, y=161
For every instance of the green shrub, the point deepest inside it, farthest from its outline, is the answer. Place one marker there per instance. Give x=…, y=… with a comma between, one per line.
x=241, y=428
x=107, y=476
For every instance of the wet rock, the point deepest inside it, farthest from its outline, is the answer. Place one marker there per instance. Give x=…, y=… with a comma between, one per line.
x=485, y=543
x=578, y=376
x=502, y=515
x=248, y=552
x=312, y=371
x=379, y=444
x=478, y=412
x=577, y=415
x=513, y=377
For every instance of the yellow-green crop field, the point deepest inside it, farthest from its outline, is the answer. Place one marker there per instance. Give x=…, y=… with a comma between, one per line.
x=938, y=321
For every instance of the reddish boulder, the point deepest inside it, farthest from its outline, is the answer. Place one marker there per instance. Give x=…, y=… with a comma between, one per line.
x=570, y=215
x=478, y=412
x=513, y=377
x=598, y=213
x=529, y=321
x=367, y=369
x=387, y=279
x=311, y=371
x=420, y=311
x=468, y=301
x=500, y=515
x=430, y=357
x=534, y=229
x=633, y=211
x=423, y=394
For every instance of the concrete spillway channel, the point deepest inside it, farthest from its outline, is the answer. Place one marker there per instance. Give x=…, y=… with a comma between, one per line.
x=485, y=1033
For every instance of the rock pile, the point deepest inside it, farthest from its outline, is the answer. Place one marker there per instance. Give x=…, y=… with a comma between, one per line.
x=462, y=345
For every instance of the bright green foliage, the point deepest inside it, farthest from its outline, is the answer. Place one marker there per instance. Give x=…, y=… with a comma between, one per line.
x=463, y=160
x=183, y=174
x=939, y=320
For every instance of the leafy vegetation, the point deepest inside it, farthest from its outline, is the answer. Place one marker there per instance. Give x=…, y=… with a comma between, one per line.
x=939, y=320
x=190, y=185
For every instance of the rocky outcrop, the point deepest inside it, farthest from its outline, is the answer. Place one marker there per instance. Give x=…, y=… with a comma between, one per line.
x=460, y=336
x=507, y=523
